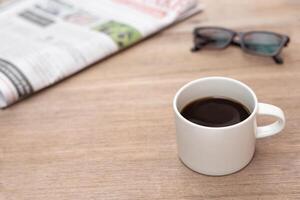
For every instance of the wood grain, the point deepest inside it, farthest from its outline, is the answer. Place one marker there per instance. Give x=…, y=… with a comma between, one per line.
x=108, y=132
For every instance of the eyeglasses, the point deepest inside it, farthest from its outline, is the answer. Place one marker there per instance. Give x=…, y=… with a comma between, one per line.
x=260, y=43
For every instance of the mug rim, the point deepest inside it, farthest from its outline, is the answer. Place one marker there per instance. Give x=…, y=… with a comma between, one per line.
x=253, y=113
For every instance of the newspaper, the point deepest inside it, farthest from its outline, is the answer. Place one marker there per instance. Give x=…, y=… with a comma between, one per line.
x=45, y=41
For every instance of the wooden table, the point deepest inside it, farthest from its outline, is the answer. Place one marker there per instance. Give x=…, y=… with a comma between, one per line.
x=108, y=133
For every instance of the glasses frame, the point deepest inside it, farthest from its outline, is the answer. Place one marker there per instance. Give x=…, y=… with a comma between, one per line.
x=237, y=39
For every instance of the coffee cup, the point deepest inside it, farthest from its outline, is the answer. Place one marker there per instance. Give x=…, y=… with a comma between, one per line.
x=224, y=150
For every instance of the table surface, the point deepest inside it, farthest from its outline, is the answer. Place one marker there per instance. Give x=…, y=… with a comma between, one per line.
x=108, y=132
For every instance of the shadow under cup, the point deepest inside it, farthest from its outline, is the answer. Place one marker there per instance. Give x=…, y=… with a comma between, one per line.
x=215, y=150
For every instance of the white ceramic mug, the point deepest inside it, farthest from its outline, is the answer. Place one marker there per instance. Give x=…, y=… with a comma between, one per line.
x=221, y=150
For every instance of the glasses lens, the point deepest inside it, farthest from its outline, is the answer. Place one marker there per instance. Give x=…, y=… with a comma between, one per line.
x=213, y=37
x=262, y=43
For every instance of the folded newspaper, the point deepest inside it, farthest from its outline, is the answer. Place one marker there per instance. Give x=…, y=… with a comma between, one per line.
x=45, y=41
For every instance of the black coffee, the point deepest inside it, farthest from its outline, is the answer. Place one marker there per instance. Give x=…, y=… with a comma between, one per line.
x=215, y=112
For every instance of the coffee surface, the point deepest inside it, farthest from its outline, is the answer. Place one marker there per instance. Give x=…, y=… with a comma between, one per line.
x=215, y=112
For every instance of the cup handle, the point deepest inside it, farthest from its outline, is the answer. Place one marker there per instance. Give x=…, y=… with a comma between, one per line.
x=274, y=128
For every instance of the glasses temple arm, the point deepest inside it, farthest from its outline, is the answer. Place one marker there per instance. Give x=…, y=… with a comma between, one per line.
x=195, y=48
x=278, y=59
x=198, y=45
x=287, y=41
